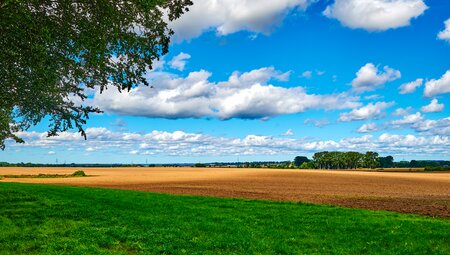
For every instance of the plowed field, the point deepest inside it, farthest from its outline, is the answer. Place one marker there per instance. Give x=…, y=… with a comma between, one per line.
x=406, y=192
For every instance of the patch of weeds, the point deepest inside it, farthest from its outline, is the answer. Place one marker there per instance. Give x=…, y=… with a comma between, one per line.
x=78, y=173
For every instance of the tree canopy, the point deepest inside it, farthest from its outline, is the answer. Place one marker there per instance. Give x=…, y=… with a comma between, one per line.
x=299, y=160
x=52, y=50
x=346, y=160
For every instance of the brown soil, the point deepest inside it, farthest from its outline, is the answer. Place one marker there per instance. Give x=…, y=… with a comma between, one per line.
x=406, y=192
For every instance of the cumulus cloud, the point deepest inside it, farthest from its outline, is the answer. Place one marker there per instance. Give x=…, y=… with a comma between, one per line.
x=289, y=132
x=180, y=143
x=412, y=141
x=373, y=97
x=370, y=111
x=433, y=127
x=410, y=87
x=434, y=106
x=375, y=15
x=366, y=128
x=445, y=34
x=418, y=123
x=248, y=95
x=179, y=61
x=408, y=119
x=402, y=111
x=436, y=87
x=227, y=17
x=369, y=78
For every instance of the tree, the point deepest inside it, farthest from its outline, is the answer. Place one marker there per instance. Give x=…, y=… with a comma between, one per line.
x=51, y=51
x=308, y=165
x=386, y=162
x=370, y=159
x=413, y=163
x=353, y=159
x=299, y=160
x=318, y=157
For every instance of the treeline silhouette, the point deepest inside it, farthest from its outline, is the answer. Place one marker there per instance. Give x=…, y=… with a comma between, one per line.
x=320, y=160
x=350, y=160
x=21, y=164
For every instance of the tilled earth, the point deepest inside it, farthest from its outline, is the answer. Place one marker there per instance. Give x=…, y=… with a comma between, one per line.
x=405, y=192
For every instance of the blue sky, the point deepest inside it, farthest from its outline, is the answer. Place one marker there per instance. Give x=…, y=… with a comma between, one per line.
x=268, y=80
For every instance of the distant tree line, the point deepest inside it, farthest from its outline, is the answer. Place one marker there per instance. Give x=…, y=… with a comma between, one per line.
x=22, y=164
x=343, y=160
x=320, y=160
x=349, y=160
x=28, y=164
x=352, y=160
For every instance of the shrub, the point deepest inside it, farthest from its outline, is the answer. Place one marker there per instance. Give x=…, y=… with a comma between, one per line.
x=307, y=165
x=79, y=173
x=437, y=168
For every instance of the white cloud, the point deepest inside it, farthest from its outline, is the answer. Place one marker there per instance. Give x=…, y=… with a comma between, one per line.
x=317, y=123
x=230, y=16
x=369, y=78
x=410, y=87
x=320, y=72
x=409, y=119
x=370, y=111
x=373, y=97
x=307, y=74
x=183, y=144
x=248, y=95
x=158, y=64
x=434, y=106
x=433, y=127
x=375, y=15
x=436, y=87
x=366, y=128
x=402, y=111
x=289, y=132
x=179, y=61
x=51, y=153
x=412, y=141
x=445, y=34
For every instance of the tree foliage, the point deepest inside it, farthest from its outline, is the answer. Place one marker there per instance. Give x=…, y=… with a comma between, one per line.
x=52, y=50
x=345, y=160
x=386, y=162
x=299, y=160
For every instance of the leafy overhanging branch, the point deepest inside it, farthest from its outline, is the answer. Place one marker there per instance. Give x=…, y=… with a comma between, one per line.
x=50, y=50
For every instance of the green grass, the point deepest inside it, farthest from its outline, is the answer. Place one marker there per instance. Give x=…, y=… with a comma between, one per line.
x=45, y=219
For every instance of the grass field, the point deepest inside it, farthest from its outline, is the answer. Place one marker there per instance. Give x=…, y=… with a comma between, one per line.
x=46, y=219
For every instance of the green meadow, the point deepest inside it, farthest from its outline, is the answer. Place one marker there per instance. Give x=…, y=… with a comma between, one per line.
x=46, y=219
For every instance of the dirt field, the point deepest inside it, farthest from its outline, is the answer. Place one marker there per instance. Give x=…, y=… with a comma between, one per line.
x=420, y=193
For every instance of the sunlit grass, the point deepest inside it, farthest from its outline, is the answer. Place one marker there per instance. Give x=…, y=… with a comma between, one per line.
x=44, y=219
